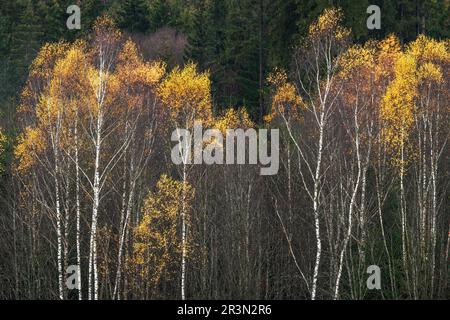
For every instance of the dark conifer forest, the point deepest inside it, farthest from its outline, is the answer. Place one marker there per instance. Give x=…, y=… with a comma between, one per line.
x=94, y=206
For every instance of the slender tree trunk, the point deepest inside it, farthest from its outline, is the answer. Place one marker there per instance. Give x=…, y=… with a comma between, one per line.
x=316, y=208
x=183, y=235
x=403, y=216
x=123, y=232
x=59, y=224
x=350, y=210
x=78, y=213
x=66, y=228
x=58, y=230
x=261, y=64
x=93, y=272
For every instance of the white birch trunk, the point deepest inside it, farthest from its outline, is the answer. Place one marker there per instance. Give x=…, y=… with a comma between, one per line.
x=350, y=210
x=316, y=209
x=59, y=231
x=77, y=201
x=123, y=233
x=183, y=237
x=93, y=272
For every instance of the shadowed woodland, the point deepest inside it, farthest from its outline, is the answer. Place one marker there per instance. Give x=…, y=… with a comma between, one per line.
x=86, y=176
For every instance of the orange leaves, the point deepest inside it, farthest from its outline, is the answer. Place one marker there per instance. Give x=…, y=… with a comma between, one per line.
x=388, y=51
x=234, y=119
x=3, y=141
x=30, y=143
x=356, y=59
x=69, y=72
x=329, y=23
x=43, y=64
x=84, y=82
x=187, y=95
x=151, y=73
x=129, y=54
x=285, y=100
x=106, y=31
x=133, y=71
x=427, y=49
x=430, y=72
x=390, y=45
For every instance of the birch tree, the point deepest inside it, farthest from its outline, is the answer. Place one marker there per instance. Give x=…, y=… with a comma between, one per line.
x=187, y=96
x=316, y=65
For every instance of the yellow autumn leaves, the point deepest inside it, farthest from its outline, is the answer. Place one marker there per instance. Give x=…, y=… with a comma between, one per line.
x=135, y=71
x=75, y=92
x=286, y=101
x=3, y=141
x=329, y=24
x=187, y=94
x=420, y=64
x=377, y=68
x=157, y=244
x=398, y=103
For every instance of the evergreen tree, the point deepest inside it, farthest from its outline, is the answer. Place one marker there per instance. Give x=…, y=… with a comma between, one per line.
x=160, y=14
x=90, y=10
x=25, y=41
x=436, y=18
x=6, y=27
x=282, y=28
x=240, y=82
x=134, y=16
x=202, y=36
x=355, y=17
x=52, y=16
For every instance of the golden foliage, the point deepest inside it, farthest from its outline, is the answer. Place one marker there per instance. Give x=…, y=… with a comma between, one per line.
x=129, y=54
x=285, y=100
x=398, y=106
x=421, y=63
x=30, y=144
x=356, y=59
x=3, y=141
x=157, y=242
x=69, y=71
x=430, y=55
x=133, y=71
x=388, y=51
x=430, y=72
x=187, y=95
x=390, y=45
x=104, y=27
x=232, y=119
x=329, y=23
x=428, y=50
x=43, y=64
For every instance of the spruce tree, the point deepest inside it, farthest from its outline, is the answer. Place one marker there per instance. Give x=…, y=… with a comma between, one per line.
x=240, y=84
x=52, y=16
x=25, y=41
x=133, y=16
x=160, y=14
x=5, y=44
x=282, y=29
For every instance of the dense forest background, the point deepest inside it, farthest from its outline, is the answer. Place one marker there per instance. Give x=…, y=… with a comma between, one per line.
x=86, y=177
x=240, y=42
